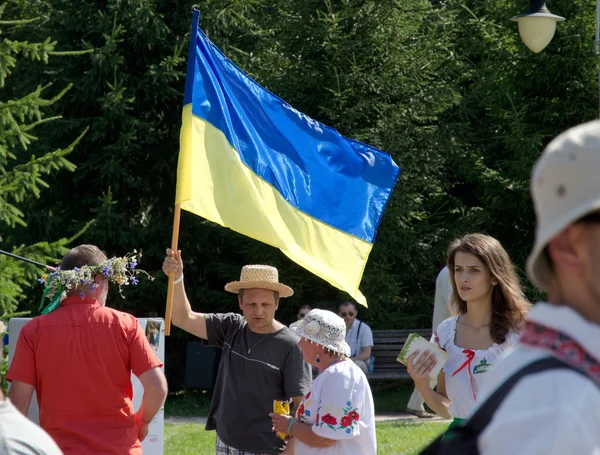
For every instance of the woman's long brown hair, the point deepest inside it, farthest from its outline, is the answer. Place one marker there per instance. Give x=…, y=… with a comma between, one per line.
x=509, y=304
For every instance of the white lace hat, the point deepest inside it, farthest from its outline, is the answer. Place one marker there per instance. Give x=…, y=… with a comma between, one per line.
x=324, y=328
x=564, y=187
x=259, y=277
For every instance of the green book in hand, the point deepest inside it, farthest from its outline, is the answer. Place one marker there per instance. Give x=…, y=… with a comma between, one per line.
x=416, y=342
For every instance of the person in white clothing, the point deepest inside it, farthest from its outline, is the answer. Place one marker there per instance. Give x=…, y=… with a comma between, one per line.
x=18, y=434
x=442, y=310
x=442, y=303
x=558, y=411
x=337, y=415
x=491, y=307
x=359, y=336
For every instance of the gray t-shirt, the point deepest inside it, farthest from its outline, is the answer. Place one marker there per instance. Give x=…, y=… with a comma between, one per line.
x=247, y=384
x=20, y=436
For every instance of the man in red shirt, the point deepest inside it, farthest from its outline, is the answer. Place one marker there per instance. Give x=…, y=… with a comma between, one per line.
x=79, y=359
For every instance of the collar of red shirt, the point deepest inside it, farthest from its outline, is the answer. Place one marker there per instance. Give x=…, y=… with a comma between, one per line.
x=76, y=299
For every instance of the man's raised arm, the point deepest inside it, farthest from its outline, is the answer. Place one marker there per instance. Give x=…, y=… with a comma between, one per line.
x=183, y=316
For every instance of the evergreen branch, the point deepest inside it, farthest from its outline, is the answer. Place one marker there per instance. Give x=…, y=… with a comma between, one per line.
x=18, y=314
x=68, y=53
x=59, y=96
x=26, y=108
x=32, y=99
x=26, y=176
x=24, y=128
x=20, y=21
x=39, y=122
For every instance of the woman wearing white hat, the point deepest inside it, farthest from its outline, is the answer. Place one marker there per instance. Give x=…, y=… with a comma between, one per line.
x=337, y=415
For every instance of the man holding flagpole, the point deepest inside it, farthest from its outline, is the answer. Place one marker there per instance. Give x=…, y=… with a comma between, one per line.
x=252, y=163
x=261, y=361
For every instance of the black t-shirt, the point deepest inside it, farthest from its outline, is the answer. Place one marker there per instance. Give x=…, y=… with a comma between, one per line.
x=247, y=384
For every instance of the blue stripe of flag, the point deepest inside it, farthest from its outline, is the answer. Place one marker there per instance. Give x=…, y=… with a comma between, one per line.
x=339, y=181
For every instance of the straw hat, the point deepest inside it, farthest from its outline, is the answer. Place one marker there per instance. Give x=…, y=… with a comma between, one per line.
x=564, y=187
x=259, y=277
x=324, y=328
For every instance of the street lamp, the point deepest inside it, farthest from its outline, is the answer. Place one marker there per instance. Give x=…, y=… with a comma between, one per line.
x=537, y=25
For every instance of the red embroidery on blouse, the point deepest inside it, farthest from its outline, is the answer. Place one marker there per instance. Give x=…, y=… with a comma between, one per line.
x=470, y=356
x=562, y=346
x=328, y=418
x=346, y=421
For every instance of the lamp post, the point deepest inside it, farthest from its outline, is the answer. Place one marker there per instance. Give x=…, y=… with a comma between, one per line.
x=537, y=26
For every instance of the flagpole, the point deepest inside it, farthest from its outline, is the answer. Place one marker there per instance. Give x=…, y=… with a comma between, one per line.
x=170, y=286
x=31, y=261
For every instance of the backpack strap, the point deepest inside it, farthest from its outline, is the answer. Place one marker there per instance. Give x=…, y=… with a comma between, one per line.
x=482, y=417
x=356, y=342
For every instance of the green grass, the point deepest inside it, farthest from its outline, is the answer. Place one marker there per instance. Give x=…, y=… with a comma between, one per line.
x=392, y=438
x=188, y=439
x=406, y=438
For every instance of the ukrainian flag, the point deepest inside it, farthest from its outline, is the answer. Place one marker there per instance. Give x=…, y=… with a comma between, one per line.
x=251, y=162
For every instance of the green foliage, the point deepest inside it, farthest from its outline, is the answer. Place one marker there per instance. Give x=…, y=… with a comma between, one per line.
x=23, y=174
x=513, y=103
x=3, y=367
x=446, y=87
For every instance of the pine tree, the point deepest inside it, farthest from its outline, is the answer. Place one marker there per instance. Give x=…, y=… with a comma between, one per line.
x=23, y=175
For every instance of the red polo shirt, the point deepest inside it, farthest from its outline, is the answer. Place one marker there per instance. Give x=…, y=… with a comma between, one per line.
x=80, y=358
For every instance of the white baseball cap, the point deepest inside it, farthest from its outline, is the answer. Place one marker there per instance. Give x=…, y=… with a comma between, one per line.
x=565, y=186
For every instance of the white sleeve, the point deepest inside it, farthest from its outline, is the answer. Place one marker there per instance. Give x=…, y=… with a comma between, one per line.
x=531, y=422
x=540, y=431
x=340, y=408
x=441, y=334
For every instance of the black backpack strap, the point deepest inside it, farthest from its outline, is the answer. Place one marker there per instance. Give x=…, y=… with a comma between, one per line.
x=482, y=417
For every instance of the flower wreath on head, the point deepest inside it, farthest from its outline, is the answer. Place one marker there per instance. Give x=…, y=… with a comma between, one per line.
x=121, y=271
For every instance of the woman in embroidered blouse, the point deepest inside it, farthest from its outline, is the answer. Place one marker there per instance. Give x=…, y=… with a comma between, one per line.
x=491, y=313
x=336, y=416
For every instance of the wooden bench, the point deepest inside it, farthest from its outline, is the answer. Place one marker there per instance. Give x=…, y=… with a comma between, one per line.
x=388, y=344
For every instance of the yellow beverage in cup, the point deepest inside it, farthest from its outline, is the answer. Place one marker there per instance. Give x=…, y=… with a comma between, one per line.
x=281, y=407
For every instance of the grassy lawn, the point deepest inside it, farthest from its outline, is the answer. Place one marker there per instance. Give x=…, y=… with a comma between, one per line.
x=406, y=438
x=392, y=438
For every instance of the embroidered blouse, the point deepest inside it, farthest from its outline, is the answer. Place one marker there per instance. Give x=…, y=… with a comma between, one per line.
x=465, y=368
x=340, y=406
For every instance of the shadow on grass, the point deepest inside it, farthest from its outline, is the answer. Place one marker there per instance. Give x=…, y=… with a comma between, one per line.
x=196, y=403
x=188, y=403
x=391, y=399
